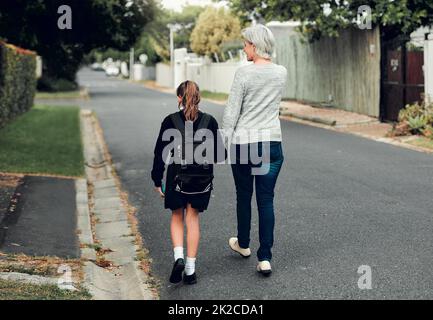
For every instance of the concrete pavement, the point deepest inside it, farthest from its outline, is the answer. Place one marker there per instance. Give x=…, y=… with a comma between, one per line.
x=44, y=221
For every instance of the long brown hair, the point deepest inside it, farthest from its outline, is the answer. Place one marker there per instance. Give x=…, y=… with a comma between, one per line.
x=190, y=94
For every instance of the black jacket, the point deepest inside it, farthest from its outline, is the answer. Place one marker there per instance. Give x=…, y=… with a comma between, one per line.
x=158, y=162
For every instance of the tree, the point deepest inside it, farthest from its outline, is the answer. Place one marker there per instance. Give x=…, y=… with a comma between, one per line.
x=155, y=41
x=327, y=18
x=214, y=28
x=95, y=24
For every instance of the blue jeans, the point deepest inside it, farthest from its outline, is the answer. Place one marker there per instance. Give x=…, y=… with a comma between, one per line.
x=265, y=185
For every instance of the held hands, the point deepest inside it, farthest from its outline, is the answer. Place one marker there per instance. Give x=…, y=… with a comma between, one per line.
x=159, y=191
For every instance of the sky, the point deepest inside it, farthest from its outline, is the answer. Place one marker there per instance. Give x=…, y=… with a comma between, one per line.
x=178, y=4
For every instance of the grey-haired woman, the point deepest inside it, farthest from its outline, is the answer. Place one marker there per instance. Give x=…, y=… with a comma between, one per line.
x=251, y=123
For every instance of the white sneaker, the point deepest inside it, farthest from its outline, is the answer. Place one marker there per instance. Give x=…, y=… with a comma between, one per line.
x=264, y=267
x=234, y=244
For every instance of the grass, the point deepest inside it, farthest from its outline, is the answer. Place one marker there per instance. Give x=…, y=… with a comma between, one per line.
x=214, y=95
x=27, y=270
x=10, y=290
x=60, y=95
x=45, y=140
x=422, y=142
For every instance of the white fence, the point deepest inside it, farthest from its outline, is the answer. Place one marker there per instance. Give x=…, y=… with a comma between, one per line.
x=213, y=77
x=38, y=67
x=343, y=72
x=142, y=72
x=164, y=75
x=428, y=68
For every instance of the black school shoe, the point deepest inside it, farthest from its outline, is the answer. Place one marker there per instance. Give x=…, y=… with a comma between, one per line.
x=192, y=279
x=176, y=273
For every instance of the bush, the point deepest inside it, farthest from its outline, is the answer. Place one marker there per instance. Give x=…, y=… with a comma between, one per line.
x=428, y=131
x=17, y=81
x=417, y=124
x=48, y=84
x=416, y=118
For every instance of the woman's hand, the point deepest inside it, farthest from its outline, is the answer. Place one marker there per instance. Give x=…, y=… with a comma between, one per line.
x=159, y=190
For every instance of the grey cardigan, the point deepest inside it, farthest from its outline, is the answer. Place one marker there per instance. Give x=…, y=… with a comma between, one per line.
x=252, y=112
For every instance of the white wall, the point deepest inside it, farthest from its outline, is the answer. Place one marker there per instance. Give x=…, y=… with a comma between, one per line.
x=150, y=73
x=164, y=75
x=428, y=68
x=214, y=77
x=38, y=67
x=180, y=56
x=142, y=72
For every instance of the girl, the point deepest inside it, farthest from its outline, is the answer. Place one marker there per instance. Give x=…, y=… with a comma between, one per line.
x=185, y=207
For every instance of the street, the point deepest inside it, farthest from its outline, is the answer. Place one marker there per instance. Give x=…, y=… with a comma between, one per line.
x=341, y=202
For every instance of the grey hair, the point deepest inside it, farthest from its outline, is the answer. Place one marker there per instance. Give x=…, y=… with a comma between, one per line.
x=262, y=38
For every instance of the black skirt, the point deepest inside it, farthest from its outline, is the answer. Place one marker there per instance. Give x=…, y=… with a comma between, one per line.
x=175, y=200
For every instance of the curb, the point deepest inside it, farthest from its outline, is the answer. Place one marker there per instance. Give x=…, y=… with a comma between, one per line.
x=84, y=93
x=83, y=223
x=28, y=279
x=331, y=123
x=111, y=229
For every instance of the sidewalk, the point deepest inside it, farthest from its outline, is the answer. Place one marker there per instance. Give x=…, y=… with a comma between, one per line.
x=38, y=238
x=329, y=116
x=40, y=219
x=347, y=122
x=8, y=184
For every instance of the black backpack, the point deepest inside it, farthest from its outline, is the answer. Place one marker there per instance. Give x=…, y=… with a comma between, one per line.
x=192, y=179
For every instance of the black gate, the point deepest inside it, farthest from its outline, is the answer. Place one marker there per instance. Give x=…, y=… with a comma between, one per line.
x=402, y=77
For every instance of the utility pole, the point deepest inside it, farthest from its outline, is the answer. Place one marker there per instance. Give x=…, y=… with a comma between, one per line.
x=131, y=64
x=172, y=46
x=173, y=28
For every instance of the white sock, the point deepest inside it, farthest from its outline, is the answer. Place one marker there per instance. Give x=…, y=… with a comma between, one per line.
x=190, y=266
x=178, y=253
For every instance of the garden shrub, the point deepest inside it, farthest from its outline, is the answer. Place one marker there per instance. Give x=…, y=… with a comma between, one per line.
x=415, y=118
x=17, y=81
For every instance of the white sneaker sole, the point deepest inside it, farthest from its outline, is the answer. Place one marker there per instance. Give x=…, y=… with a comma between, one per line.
x=243, y=256
x=266, y=273
x=238, y=252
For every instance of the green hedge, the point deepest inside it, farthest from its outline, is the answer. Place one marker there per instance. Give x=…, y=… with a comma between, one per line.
x=17, y=81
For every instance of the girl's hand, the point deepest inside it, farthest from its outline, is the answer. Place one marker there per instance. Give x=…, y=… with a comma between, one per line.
x=159, y=190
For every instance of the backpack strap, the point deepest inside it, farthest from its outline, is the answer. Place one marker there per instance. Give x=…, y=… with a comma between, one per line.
x=204, y=122
x=179, y=125
x=178, y=122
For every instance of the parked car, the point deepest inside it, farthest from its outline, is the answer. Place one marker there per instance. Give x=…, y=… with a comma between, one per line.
x=112, y=71
x=97, y=67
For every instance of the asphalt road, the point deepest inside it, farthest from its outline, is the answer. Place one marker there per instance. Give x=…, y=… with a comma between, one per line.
x=341, y=202
x=42, y=224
